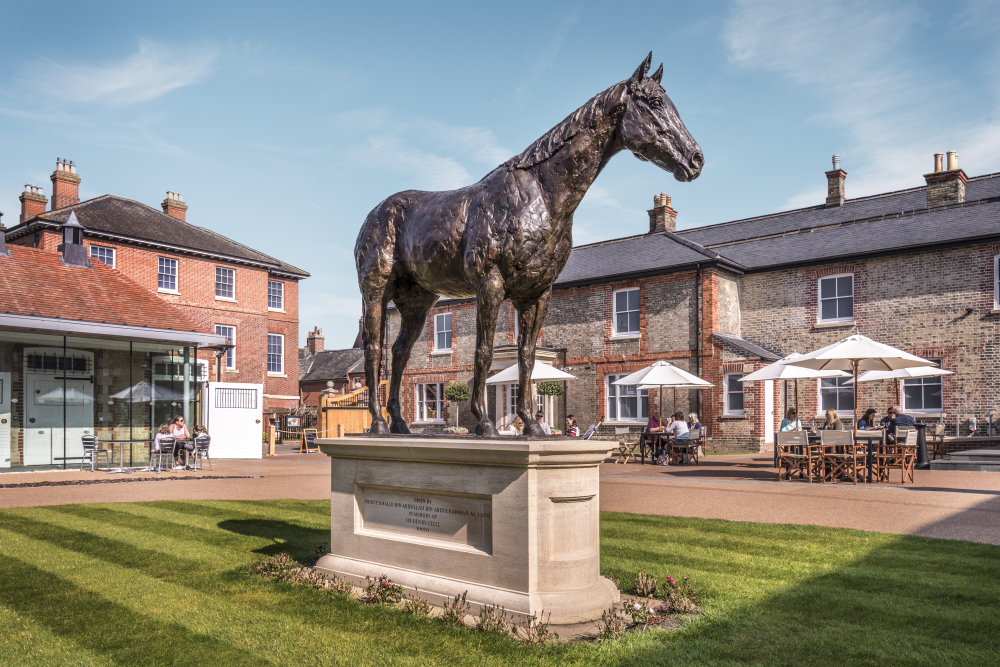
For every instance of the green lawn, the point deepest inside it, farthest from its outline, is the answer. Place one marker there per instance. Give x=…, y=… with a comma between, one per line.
x=164, y=583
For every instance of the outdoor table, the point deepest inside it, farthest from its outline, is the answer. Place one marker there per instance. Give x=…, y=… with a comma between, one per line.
x=873, y=442
x=121, y=453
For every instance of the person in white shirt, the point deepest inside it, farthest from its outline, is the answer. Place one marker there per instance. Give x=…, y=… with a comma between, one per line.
x=540, y=418
x=678, y=428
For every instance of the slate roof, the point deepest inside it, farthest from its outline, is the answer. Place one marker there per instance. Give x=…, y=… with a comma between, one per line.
x=36, y=282
x=134, y=220
x=330, y=365
x=886, y=223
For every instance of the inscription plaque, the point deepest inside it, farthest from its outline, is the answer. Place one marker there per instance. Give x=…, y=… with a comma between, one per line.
x=459, y=520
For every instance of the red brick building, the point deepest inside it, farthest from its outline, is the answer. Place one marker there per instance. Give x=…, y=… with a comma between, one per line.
x=221, y=285
x=918, y=269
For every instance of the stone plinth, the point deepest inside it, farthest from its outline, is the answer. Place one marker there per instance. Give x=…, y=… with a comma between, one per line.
x=514, y=522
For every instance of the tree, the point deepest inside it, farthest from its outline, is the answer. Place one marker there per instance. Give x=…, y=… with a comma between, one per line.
x=457, y=391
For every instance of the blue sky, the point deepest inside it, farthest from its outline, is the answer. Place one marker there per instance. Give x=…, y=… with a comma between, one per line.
x=283, y=125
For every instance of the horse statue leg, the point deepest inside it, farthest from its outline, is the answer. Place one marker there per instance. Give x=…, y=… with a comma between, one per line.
x=374, y=300
x=530, y=318
x=490, y=295
x=413, y=303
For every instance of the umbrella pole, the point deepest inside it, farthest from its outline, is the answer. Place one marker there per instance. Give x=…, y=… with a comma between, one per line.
x=855, y=362
x=797, y=418
x=675, y=401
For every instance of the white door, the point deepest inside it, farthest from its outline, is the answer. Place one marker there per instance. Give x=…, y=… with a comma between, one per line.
x=5, y=418
x=44, y=404
x=768, y=415
x=232, y=415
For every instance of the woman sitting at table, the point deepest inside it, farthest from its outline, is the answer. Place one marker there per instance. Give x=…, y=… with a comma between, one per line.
x=867, y=421
x=653, y=427
x=179, y=431
x=164, y=432
x=833, y=422
x=791, y=421
x=678, y=429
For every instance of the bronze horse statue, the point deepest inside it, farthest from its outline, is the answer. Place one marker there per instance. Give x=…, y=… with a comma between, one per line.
x=506, y=237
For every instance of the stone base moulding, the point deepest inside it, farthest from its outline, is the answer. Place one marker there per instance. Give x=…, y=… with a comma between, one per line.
x=513, y=522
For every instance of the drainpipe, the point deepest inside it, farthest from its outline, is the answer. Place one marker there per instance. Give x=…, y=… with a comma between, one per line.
x=697, y=358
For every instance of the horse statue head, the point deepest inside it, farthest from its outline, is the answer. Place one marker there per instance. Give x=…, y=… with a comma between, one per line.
x=651, y=128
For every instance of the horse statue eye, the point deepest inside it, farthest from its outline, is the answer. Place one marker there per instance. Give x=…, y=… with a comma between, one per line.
x=656, y=103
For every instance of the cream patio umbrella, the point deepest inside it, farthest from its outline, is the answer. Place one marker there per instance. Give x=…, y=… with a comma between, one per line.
x=781, y=370
x=539, y=373
x=859, y=353
x=663, y=374
x=902, y=374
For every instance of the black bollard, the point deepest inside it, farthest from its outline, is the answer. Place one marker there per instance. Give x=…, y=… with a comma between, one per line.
x=923, y=463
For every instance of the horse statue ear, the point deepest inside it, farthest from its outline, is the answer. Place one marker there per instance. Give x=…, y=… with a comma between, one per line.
x=658, y=74
x=640, y=73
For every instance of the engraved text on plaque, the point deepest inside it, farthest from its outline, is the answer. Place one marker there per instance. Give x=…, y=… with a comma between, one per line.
x=459, y=520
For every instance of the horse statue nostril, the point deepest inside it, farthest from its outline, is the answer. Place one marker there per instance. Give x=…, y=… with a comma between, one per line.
x=698, y=159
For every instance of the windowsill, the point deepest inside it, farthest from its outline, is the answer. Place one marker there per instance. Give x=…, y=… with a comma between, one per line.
x=225, y=298
x=733, y=416
x=163, y=290
x=833, y=325
x=429, y=421
x=275, y=310
x=276, y=375
x=440, y=353
x=634, y=336
x=626, y=423
x=230, y=370
x=995, y=311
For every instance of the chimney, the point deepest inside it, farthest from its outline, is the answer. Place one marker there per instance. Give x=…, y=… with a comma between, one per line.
x=835, y=184
x=65, y=184
x=3, y=238
x=314, y=341
x=662, y=217
x=32, y=202
x=945, y=186
x=174, y=205
x=74, y=253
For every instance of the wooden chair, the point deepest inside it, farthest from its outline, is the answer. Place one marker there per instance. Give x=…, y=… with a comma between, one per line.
x=626, y=444
x=838, y=455
x=935, y=440
x=794, y=455
x=685, y=447
x=901, y=455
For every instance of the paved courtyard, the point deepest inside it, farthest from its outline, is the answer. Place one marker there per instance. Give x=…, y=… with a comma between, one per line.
x=947, y=504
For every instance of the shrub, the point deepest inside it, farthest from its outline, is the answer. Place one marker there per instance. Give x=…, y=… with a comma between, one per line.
x=612, y=624
x=679, y=598
x=641, y=612
x=643, y=585
x=456, y=611
x=457, y=391
x=533, y=631
x=382, y=590
x=494, y=619
x=280, y=567
x=416, y=605
x=550, y=388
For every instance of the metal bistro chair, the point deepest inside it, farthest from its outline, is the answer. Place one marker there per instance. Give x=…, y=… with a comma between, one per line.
x=626, y=444
x=201, y=445
x=166, y=449
x=793, y=455
x=92, y=450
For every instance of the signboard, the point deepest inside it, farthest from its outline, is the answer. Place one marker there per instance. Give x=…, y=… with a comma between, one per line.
x=459, y=520
x=293, y=422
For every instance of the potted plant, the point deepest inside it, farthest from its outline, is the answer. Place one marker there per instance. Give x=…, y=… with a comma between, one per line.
x=456, y=392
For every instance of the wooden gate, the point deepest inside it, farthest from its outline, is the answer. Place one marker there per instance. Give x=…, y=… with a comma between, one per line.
x=348, y=410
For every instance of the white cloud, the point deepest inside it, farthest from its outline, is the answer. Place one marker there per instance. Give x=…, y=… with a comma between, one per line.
x=154, y=70
x=859, y=60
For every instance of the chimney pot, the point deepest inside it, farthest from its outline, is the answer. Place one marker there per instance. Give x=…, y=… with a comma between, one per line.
x=65, y=185
x=952, y=160
x=938, y=163
x=174, y=205
x=835, y=184
x=3, y=239
x=32, y=202
x=662, y=217
x=947, y=186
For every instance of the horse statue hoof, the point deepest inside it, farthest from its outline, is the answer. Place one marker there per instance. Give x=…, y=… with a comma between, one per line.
x=399, y=426
x=379, y=427
x=532, y=429
x=487, y=429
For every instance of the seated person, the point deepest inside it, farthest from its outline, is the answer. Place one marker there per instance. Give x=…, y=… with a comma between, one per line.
x=653, y=427
x=832, y=422
x=540, y=418
x=572, y=429
x=678, y=429
x=791, y=421
x=162, y=433
x=867, y=421
x=898, y=419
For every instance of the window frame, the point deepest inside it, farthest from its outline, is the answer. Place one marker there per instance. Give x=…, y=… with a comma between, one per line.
x=450, y=330
x=840, y=390
x=922, y=382
x=280, y=296
x=232, y=285
x=114, y=255
x=420, y=402
x=819, y=299
x=614, y=392
x=280, y=355
x=996, y=282
x=175, y=276
x=614, y=313
x=741, y=412
x=231, y=352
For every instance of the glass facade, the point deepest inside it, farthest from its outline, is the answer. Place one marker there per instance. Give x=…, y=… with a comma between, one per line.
x=56, y=389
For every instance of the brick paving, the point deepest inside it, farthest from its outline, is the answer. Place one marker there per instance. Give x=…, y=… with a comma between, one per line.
x=946, y=504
